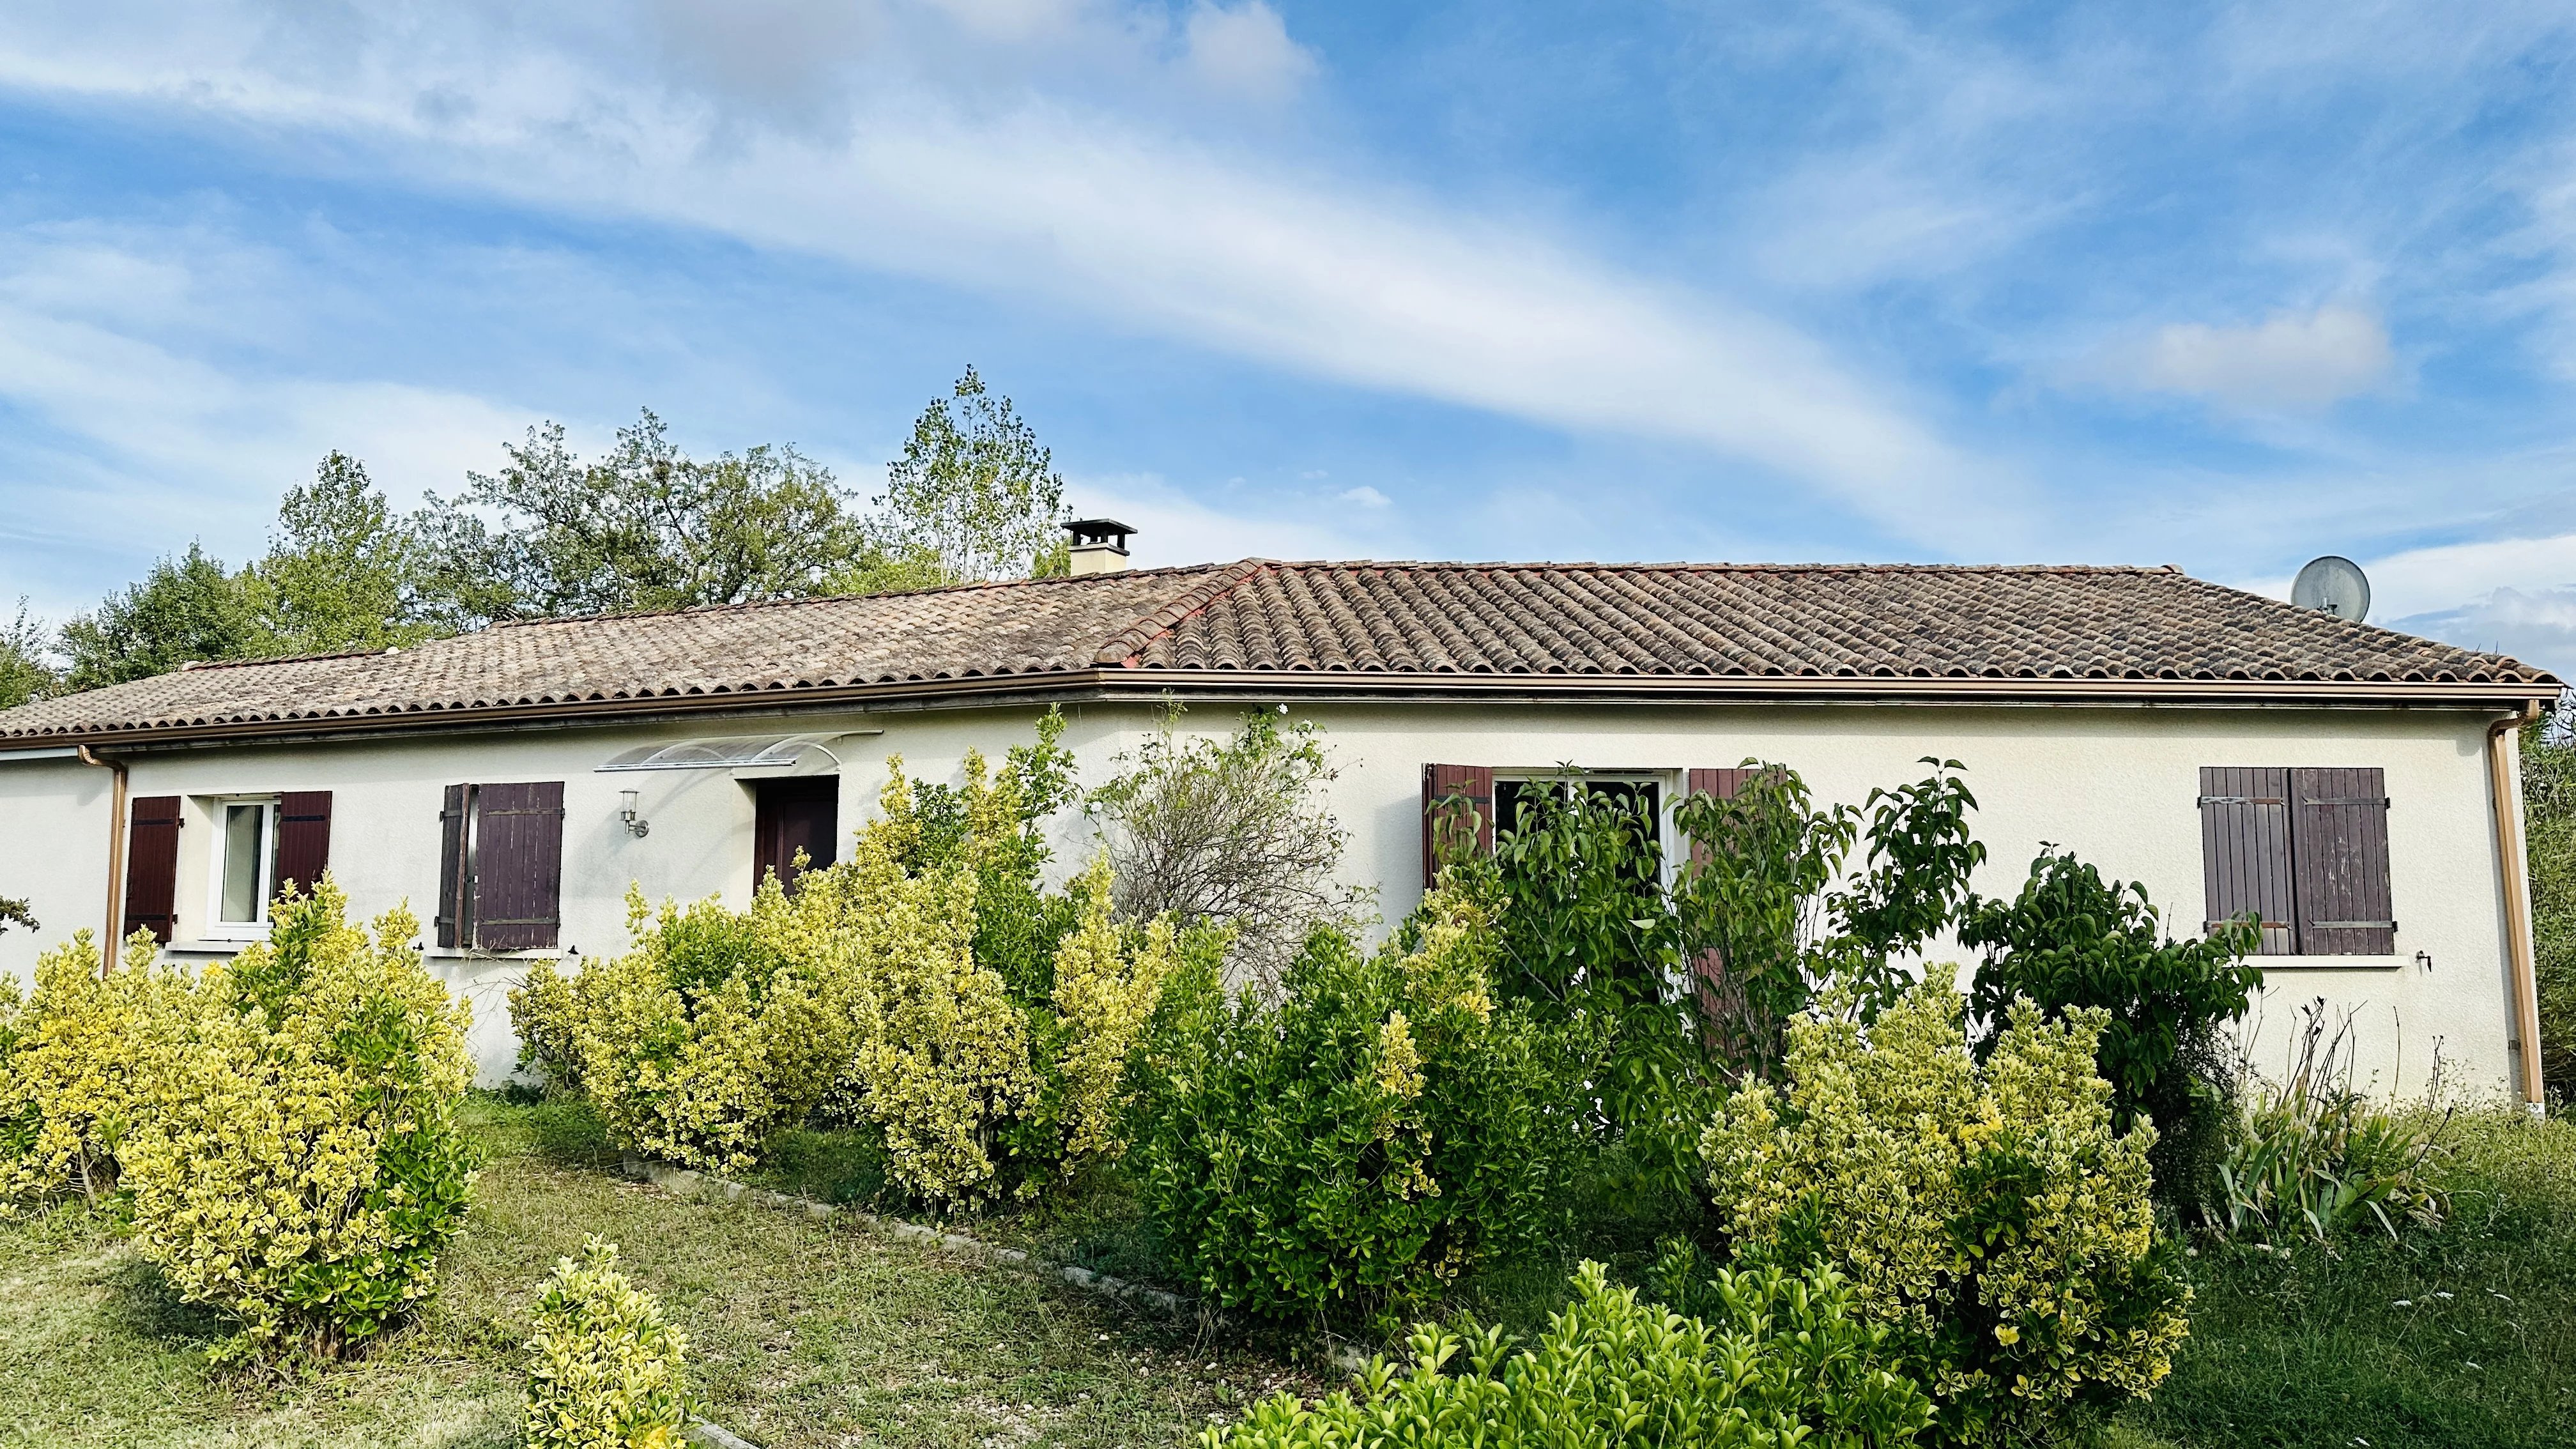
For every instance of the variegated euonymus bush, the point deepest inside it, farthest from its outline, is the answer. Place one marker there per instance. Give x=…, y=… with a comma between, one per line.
x=299, y=1165
x=868, y=996
x=703, y=1038
x=76, y=1062
x=1988, y=1215
x=1782, y=1359
x=604, y=1369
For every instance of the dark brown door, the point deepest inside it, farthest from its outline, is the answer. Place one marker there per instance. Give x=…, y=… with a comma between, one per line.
x=792, y=815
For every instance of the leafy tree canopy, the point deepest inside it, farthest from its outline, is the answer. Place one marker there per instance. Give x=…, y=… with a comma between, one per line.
x=25, y=671
x=188, y=608
x=339, y=569
x=643, y=526
x=974, y=494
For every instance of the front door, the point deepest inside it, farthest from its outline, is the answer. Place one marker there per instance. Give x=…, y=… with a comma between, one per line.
x=792, y=815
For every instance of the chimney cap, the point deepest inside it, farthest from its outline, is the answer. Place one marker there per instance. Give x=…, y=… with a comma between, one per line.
x=1093, y=532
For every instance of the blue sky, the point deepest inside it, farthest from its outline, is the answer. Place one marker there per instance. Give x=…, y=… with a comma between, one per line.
x=2223, y=286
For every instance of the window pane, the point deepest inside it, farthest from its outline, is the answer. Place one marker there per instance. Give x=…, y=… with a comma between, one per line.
x=245, y=843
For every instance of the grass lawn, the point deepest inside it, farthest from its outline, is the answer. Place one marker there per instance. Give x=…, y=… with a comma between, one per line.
x=817, y=1332
x=801, y=1332
x=2461, y=1335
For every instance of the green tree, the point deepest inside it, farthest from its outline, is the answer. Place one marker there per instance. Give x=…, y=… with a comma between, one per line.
x=644, y=527
x=187, y=609
x=25, y=672
x=2549, y=815
x=339, y=567
x=975, y=495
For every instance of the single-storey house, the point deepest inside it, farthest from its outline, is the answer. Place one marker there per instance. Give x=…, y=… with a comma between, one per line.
x=2356, y=786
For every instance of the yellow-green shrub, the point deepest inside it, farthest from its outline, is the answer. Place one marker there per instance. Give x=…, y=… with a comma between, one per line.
x=545, y=1016
x=1107, y=981
x=85, y=1046
x=865, y=997
x=943, y=1058
x=1989, y=1215
x=299, y=1165
x=702, y=1039
x=604, y=1370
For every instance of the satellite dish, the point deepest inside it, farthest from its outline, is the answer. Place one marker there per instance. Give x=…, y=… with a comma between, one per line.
x=2334, y=584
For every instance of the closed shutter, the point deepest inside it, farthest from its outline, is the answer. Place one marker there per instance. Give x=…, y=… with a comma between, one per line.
x=1457, y=814
x=1721, y=999
x=2339, y=830
x=518, y=866
x=152, y=867
x=1720, y=784
x=455, y=869
x=2245, y=855
x=303, y=839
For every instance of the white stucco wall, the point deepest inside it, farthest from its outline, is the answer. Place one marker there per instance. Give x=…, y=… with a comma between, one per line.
x=2118, y=785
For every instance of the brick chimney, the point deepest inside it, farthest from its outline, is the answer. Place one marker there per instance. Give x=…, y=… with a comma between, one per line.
x=1099, y=545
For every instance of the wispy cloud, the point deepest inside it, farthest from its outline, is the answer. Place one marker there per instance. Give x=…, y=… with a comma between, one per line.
x=1040, y=192
x=2290, y=361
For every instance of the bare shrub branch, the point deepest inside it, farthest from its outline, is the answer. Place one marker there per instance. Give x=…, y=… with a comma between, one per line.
x=1234, y=832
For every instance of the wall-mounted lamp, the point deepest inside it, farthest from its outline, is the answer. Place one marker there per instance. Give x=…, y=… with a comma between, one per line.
x=635, y=825
x=2424, y=959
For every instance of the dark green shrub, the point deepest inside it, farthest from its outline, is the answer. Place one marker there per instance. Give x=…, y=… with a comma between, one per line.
x=1359, y=1140
x=2071, y=939
x=1779, y=1360
x=1589, y=944
x=1762, y=918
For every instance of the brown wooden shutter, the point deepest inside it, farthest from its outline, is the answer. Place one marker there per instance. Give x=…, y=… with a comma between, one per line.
x=1720, y=783
x=518, y=866
x=1721, y=998
x=1457, y=812
x=455, y=868
x=2339, y=835
x=2245, y=852
x=303, y=839
x=152, y=867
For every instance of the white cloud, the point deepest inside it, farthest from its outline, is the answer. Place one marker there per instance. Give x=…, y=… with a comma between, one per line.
x=2536, y=628
x=2511, y=595
x=2291, y=361
x=1008, y=192
x=1246, y=51
x=1365, y=497
x=140, y=427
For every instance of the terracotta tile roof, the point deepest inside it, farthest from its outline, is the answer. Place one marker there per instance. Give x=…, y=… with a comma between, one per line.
x=1727, y=627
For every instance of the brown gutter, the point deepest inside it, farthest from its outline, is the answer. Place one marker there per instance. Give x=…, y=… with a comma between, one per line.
x=115, y=856
x=1360, y=687
x=2514, y=869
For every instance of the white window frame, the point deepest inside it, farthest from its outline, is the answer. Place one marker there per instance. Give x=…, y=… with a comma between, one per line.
x=1667, y=785
x=217, y=809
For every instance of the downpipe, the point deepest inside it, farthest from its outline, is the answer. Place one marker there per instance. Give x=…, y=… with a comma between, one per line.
x=2514, y=868
x=108, y=941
